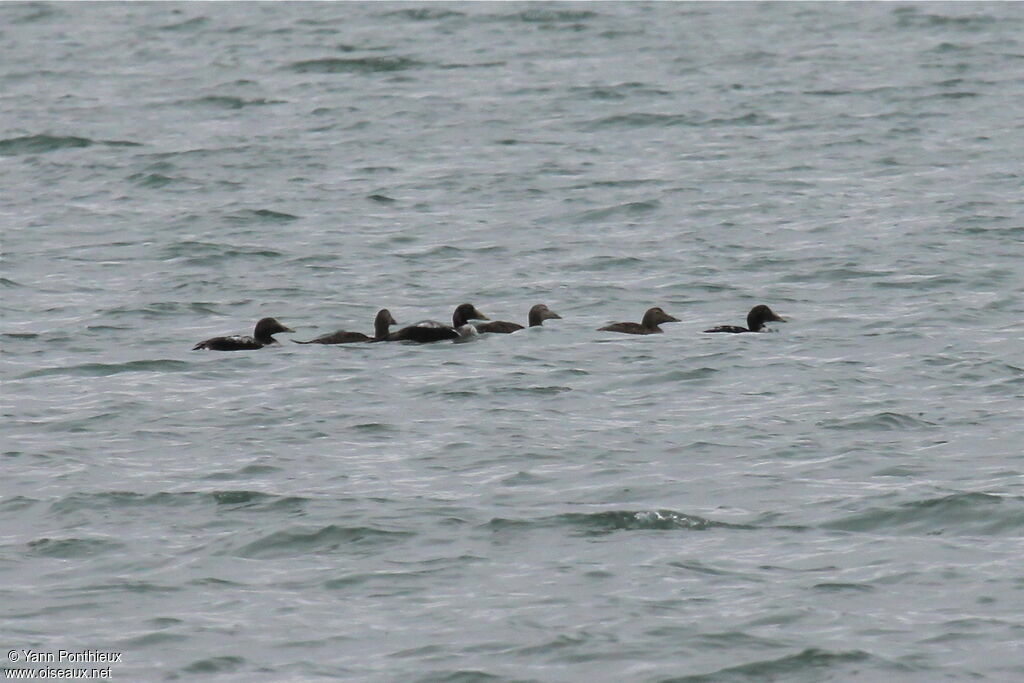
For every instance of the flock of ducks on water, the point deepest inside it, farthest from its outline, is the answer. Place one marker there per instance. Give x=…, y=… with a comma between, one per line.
x=461, y=329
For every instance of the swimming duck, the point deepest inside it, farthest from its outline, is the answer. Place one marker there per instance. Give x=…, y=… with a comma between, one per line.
x=381, y=325
x=427, y=331
x=758, y=316
x=538, y=314
x=652, y=318
x=262, y=336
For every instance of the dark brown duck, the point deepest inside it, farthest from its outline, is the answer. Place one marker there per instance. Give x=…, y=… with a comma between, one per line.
x=381, y=326
x=427, y=331
x=756, y=319
x=649, y=325
x=262, y=336
x=538, y=314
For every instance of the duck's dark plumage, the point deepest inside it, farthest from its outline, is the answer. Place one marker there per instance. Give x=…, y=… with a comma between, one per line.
x=538, y=314
x=427, y=331
x=756, y=319
x=381, y=326
x=262, y=336
x=499, y=327
x=652, y=318
x=732, y=329
x=339, y=337
x=424, y=332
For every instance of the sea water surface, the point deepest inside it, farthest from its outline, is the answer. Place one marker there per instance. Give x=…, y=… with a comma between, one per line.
x=840, y=499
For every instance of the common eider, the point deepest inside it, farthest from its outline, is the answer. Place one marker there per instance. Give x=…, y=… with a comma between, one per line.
x=262, y=336
x=538, y=314
x=427, y=331
x=381, y=325
x=758, y=316
x=652, y=318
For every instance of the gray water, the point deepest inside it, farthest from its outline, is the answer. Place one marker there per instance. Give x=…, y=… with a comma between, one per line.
x=841, y=499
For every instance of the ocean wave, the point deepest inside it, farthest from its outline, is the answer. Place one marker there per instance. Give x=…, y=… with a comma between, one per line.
x=328, y=539
x=598, y=523
x=811, y=665
x=261, y=216
x=234, y=499
x=424, y=13
x=104, y=369
x=883, y=421
x=228, y=102
x=71, y=548
x=364, y=65
x=955, y=514
x=41, y=144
